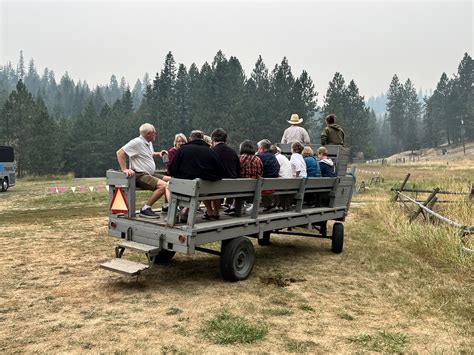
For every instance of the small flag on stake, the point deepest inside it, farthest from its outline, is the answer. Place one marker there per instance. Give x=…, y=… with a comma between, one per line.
x=98, y=188
x=119, y=203
x=107, y=188
x=73, y=189
x=62, y=189
x=53, y=190
x=91, y=188
x=82, y=189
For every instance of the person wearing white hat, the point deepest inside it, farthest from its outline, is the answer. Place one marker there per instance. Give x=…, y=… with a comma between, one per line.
x=295, y=133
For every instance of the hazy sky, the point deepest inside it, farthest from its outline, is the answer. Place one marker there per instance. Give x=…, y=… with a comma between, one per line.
x=365, y=41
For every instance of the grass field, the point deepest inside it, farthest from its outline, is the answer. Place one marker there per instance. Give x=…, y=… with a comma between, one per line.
x=397, y=287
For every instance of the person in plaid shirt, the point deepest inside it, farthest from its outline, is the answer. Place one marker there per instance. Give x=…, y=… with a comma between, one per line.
x=250, y=165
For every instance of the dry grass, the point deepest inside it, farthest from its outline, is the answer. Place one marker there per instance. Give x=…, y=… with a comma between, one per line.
x=386, y=292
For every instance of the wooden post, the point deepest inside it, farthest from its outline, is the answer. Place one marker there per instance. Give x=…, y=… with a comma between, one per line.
x=401, y=188
x=470, y=191
x=430, y=205
x=428, y=200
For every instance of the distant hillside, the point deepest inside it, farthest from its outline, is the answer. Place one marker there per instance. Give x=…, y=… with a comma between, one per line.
x=452, y=152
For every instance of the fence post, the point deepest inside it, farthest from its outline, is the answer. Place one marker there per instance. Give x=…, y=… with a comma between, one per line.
x=428, y=200
x=401, y=188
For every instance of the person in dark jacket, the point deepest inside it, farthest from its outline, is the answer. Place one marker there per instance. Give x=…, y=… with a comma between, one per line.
x=196, y=160
x=332, y=133
x=271, y=169
x=231, y=164
x=325, y=164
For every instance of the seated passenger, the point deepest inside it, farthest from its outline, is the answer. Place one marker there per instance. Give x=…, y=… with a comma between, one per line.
x=326, y=164
x=285, y=166
x=195, y=160
x=298, y=166
x=141, y=156
x=179, y=140
x=283, y=201
x=231, y=163
x=312, y=164
x=271, y=169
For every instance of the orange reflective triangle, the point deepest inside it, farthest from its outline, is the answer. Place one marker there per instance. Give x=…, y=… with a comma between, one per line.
x=119, y=203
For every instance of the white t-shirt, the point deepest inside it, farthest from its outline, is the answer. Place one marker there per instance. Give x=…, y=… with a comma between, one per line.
x=140, y=153
x=298, y=164
x=285, y=167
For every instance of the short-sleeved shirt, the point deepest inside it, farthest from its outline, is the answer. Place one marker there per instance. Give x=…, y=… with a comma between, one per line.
x=295, y=134
x=298, y=164
x=140, y=153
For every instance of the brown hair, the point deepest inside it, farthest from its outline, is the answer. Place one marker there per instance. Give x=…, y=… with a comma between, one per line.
x=297, y=147
x=330, y=119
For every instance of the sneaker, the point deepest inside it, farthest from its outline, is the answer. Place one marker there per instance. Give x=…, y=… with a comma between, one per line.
x=148, y=213
x=249, y=208
x=165, y=207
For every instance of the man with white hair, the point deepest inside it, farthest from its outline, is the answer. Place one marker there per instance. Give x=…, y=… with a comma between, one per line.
x=141, y=156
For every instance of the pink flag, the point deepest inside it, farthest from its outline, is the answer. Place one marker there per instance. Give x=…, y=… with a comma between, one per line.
x=53, y=190
x=82, y=189
x=62, y=189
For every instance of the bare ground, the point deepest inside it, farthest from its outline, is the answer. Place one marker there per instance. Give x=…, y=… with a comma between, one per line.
x=54, y=297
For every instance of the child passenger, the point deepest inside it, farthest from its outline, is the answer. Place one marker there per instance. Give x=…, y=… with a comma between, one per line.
x=298, y=166
x=326, y=164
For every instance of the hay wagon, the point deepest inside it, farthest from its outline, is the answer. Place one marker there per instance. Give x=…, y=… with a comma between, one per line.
x=160, y=239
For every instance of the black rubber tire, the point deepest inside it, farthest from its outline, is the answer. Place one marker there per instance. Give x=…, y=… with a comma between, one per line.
x=265, y=239
x=4, y=186
x=237, y=259
x=337, y=238
x=164, y=256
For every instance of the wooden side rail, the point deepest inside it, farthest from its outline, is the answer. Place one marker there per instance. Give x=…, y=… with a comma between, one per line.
x=189, y=193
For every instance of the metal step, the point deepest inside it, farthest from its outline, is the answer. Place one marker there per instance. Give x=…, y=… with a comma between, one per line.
x=124, y=266
x=143, y=248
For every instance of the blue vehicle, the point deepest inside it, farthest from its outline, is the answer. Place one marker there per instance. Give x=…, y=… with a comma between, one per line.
x=7, y=168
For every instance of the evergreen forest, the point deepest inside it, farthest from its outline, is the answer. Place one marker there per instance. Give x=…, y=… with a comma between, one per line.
x=62, y=126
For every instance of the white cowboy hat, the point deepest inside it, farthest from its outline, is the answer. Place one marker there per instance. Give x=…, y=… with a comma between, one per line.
x=295, y=119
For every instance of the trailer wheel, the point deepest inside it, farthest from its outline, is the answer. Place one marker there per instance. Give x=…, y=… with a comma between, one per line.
x=337, y=238
x=164, y=256
x=237, y=259
x=265, y=239
x=4, y=186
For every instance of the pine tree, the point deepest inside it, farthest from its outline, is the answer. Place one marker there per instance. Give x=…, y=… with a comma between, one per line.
x=412, y=116
x=396, y=111
x=182, y=99
x=21, y=67
x=137, y=93
x=282, y=81
x=44, y=146
x=32, y=79
x=17, y=116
